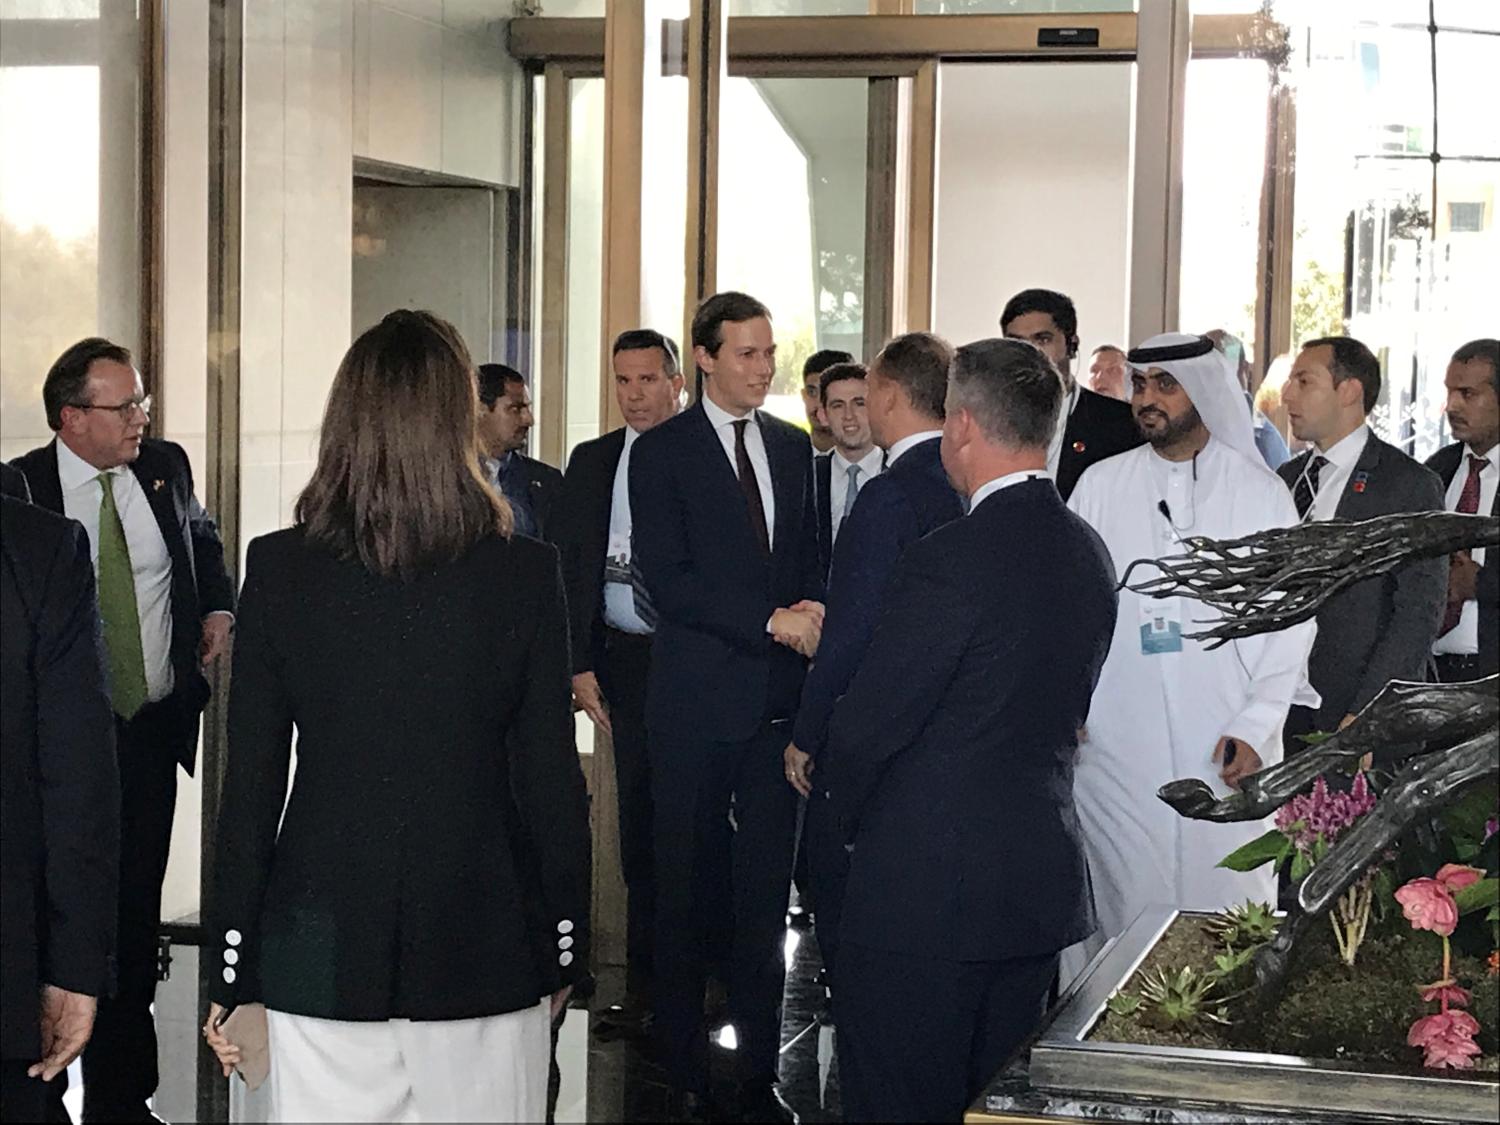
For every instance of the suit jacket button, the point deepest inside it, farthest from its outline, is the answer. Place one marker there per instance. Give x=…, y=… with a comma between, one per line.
x=231, y=957
x=232, y=937
x=229, y=976
x=565, y=959
x=565, y=927
x=565, y=943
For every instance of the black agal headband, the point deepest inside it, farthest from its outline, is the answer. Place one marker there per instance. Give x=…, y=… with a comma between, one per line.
x=1149, y=357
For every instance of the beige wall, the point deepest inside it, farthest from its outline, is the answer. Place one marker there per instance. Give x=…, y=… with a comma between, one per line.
x=1033, y=190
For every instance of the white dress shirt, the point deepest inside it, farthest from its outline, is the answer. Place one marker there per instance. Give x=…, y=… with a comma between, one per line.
x=1342, y=457
x=1463, y=638
x=838, y=481
x=989, y=488
x=723, y=423
x=895, y=452
x=619, y=597
x=150, y=563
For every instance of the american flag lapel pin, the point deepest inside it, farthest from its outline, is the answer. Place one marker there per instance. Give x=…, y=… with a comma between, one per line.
x=1079, y=447
x=1360, y=480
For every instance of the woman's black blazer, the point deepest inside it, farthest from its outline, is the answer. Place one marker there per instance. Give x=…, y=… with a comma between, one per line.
x=433, y=860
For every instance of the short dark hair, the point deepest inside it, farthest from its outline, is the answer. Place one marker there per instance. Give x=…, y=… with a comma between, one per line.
x=641, y=339
x=1352, y=360
x=918, y=363
x=1482, y=349
x=821, y=361
x=1059, y=306
x=837, y=374
x=69, y=375
x=1011, y=388
x=709, y=320
x=493, y=379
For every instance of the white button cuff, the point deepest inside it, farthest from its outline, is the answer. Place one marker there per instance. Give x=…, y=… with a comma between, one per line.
x=565, y=926
x=229, y=975
x=232, y=937
x=564, y=943
x=564, y=959
x=231, y=957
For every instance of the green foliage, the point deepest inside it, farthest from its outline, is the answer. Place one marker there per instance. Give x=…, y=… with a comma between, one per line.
x=1483, y=895
x=1124, y=1004
x=1274, y=845
x=1317, y=310
x=1180, y=999
x=1231, y=961
x=1246, y=926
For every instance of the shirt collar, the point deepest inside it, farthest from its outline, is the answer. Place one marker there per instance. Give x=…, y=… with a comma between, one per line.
x=630, y=436
x=909, y=442
x=73, y=472
x=1345, y=452
x=869, y=464
x=718, y=417
x=989, y=488
x=1487, y=457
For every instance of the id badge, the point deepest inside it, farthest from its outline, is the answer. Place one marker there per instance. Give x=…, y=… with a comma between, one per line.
x=1161, y=626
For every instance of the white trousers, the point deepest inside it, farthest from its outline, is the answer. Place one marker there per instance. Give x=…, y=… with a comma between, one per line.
x=489, y=1069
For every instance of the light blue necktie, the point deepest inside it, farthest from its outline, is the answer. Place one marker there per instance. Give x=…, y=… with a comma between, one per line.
x=852, y=491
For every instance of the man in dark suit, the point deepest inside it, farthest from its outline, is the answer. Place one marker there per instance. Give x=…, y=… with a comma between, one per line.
x=1380, y=629
x=60, y=825
x=840, y=474
x=812, y=383
x=727, y=542
x=167, y=604
x=505, y=421
x=905, y=392
x=950, y=762
x=13, y=483
x=611, y=621
x=1468, y=647
x=1095, y=427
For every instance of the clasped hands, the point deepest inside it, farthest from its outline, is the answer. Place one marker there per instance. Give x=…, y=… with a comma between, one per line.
x=799, y=627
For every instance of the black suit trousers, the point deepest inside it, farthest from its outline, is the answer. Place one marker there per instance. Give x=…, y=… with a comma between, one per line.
x=623, y=674
x=724, y=813
x=920, y=1037
x=828, y=873
x=119, y=1063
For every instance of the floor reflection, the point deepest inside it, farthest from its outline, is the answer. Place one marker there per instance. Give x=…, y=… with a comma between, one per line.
x=625, y=1084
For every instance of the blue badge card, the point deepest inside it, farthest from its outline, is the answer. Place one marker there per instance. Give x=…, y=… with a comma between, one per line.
x=1161, y=626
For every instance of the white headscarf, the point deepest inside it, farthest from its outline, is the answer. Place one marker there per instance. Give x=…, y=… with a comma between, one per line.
x=1211, y=383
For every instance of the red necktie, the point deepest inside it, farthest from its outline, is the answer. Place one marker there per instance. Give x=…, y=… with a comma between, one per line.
x=1468, y=504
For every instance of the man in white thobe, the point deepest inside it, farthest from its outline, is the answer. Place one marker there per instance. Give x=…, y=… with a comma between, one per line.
x=1167, y=706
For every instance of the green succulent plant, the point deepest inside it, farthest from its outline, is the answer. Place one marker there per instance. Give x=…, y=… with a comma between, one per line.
x=1124, y=1004
x=1232, y=960
x=1245, y=926
x=1180, y=999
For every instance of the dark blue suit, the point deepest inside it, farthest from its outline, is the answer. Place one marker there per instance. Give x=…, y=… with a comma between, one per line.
x=718, y=708
x=893, y=511
x=949, y=765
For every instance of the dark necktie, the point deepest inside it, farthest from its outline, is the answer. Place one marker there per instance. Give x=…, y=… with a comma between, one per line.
x=750, y=487
x=1468, y=504
x=118, y=610
x=1306, y=490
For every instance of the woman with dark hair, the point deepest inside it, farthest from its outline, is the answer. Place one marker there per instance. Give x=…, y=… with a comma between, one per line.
x=419, y=910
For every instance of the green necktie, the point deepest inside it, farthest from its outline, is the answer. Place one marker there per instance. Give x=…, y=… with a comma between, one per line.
x=117, y=608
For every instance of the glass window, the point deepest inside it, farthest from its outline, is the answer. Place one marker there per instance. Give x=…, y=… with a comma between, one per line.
x=585, y=264
x=1224, y=146
x=69, y=195
x=1021, y=7
x=1395, y=236
x=792, y=157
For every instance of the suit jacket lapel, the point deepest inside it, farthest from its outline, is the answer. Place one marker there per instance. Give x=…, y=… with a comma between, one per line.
x=45, y=480
x=1360, y=490
x=613, y=450
x=784, y=478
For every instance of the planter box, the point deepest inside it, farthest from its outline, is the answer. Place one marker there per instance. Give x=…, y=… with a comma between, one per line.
x=1065, y=1059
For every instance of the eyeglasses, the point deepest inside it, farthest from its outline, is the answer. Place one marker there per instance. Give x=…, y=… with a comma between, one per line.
x=124, y=409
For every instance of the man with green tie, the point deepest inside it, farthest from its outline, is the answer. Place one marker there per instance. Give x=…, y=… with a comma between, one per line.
x=166, y=604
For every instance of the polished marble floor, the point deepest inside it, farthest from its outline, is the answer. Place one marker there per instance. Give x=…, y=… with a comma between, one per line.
x=624, y=1084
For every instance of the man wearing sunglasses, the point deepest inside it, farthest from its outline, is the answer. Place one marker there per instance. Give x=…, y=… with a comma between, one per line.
x=166, y=604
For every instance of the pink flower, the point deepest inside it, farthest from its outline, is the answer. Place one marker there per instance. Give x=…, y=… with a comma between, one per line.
x=1446, y=1038
x=1428, y=905
x=1455, y=876
x=1446, y=991
x=1320, y=813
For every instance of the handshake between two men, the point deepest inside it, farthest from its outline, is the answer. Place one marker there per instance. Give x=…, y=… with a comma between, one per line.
x=799, y=627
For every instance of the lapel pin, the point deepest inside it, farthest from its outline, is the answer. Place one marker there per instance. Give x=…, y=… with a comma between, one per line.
x=1079, y=447
x=156, y=485
x=1360, y=480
